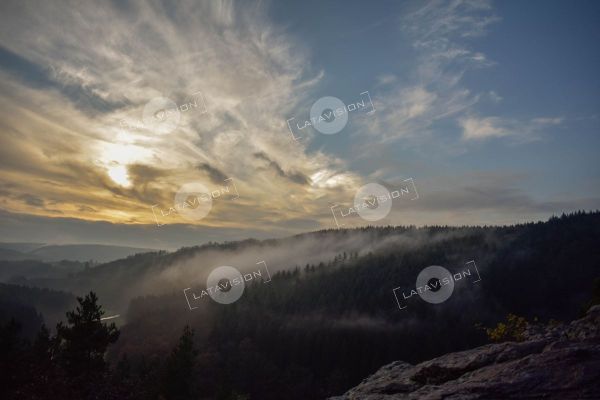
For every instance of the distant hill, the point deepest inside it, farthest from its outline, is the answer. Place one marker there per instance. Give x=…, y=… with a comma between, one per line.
x=84, y=252
x=21, y=247
x=328, y=317
x=11, y=269
x=326, y=325
x=73, y=252
x=23, y=303
x=19, y=271
x=14, y=255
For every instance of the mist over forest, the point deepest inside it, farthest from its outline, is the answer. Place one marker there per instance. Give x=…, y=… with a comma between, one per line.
x=300, y=200
x=328, y=317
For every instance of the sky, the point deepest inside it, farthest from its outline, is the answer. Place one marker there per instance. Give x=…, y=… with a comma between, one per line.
x=165, y=124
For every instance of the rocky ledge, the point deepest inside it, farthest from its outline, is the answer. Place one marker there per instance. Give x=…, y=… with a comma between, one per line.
x=561, y=361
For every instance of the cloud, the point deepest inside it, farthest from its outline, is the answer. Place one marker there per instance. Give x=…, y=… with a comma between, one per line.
x=494, y=198
x=74, y=116
x=215, y=175
x=32, y=200
x=439, y=33
x=386, y=79
x=479, y=128
x=143, y=174
x=494, y=97
x=44, y=77
x=72, y=112
x=439, y=19
x=293, y=176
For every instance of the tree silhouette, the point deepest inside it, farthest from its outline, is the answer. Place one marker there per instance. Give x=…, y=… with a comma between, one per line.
x=80, y=346
x=179, y=372
x=11, y=365
x=42, y=346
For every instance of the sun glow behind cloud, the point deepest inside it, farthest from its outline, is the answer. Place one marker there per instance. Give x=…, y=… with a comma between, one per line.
x=72, y=112
x=119, y=175
x=136, y=165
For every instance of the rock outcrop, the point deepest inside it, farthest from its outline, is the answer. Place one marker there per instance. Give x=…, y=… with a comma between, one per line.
x=561, y=361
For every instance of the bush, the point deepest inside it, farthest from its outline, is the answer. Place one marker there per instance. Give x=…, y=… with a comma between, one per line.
x=512, y=330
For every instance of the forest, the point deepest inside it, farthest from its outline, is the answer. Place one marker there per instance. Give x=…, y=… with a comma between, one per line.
x=314, y=331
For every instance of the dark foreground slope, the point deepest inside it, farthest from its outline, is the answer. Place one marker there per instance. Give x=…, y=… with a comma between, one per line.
x=562, y=362
x=328, y=317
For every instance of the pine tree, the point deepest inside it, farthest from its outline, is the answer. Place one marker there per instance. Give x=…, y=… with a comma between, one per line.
x=179, y=374
x=80, y=345
x=12, y=347
x=42, y=346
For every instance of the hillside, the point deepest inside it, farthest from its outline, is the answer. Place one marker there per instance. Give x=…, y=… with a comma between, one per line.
x=552, y=362
x=24, y=303
x=13, y=255
x=86, y=252
x=329, y=317
x=73, y=252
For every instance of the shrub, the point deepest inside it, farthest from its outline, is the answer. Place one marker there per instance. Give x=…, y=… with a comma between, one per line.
x=512, y=330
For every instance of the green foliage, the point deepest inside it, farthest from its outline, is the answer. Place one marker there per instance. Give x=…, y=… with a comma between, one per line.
x=511, y=330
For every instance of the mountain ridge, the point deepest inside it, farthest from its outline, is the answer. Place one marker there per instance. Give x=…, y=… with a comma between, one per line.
x=101, y=253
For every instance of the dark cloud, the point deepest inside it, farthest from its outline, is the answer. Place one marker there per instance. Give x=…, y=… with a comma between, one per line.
x=141, y=174
x=40, y=77
x=303, y=224
x=496, y=196
x=293, y=176
x=32, y=200
x=215, y=174
x=5, y=188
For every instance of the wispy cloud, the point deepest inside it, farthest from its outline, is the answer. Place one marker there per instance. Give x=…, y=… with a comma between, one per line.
x=75, y=80
x=73, y=107
x=479, y=128
x=439, y=33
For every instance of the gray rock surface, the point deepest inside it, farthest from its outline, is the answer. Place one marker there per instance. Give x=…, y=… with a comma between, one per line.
x=561, y=361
